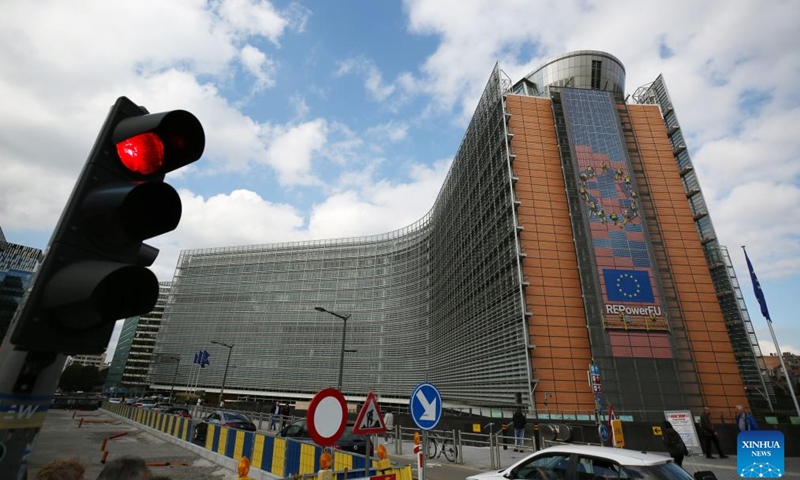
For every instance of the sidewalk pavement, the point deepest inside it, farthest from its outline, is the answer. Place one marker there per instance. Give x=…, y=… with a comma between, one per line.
x=60, y=438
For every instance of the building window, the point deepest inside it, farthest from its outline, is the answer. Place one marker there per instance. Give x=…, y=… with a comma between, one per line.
x=596, y=66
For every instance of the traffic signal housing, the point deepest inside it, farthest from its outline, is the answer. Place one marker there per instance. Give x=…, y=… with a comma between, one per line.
x=94, y=270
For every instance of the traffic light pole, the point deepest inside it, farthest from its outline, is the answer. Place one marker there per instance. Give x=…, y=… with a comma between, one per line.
x=94, y=270
x=27, y=383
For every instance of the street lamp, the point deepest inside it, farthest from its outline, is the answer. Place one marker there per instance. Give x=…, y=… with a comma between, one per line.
x=164, y=358
x=344, y=336
x=174, y=376
x=227, y=364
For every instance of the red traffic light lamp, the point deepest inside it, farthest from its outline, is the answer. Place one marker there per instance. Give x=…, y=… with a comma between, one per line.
x=94, y=270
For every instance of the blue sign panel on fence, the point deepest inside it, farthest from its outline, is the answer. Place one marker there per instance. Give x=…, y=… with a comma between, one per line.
x=425, y=406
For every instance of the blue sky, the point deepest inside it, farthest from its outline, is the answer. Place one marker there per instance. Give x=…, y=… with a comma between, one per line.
x=336, y=119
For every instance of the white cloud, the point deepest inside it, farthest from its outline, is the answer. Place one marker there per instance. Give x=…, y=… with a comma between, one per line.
x=392, y=131
x=733, y=85
x=292, y=149
x=259, y=66
x=102, y=50
x=239, y=218
x=379, y=207
x=301, y=108
x=251, y=18
x=377, y=88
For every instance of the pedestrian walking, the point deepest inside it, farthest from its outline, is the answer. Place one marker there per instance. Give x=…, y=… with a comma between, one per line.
x=519, y=429
x=674, y=443
x=284, y=414
x=276, y=412
x=709, y=434
x=744, y=419
x=388, y=421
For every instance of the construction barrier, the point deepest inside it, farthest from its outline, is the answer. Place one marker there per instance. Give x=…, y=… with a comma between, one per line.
x=278, y=456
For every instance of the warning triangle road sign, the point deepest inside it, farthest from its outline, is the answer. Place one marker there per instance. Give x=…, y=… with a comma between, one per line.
x=370, y=420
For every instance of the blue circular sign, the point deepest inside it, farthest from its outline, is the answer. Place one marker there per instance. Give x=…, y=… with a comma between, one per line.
x=603, y=430
x=425, y=406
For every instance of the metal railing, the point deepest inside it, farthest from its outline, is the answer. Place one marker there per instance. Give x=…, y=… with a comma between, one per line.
x=466, y=443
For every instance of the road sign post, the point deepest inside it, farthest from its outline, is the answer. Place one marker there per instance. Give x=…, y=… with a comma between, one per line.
x=369, y=420
x=327, y=417
x=425, y=406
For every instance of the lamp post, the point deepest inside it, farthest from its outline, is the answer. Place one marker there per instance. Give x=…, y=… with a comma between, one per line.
x=166, y=358
x=227, y=364
x=174, y=376
x=344, y=337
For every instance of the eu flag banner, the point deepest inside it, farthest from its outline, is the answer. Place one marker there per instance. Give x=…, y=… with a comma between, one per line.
x=628, y=286
x=757, y=288
x=204, y=358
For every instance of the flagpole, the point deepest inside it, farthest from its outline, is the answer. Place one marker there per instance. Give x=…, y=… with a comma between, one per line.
x=765, y=312
x=192, y=375
x=783, y=367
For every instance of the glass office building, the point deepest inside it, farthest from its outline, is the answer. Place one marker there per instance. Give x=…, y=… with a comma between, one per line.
x=17, y=263
x=569, y=235
x=134, y=353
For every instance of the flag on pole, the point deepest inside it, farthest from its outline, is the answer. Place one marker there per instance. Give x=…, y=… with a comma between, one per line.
x=204, y=359
x=757, y=288
x=196, y=358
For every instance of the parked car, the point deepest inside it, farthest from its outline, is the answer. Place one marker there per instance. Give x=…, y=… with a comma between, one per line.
x=146, y=404
x=578, y=462
x=162, y=407
x=222, y=418
x=114, y=400
x=179, y=412
x=348, y=442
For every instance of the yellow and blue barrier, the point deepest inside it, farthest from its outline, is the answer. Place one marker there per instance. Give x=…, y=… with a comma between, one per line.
x=278, y=456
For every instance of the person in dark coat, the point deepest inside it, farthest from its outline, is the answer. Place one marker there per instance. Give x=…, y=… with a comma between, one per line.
x=709, y=435
x=519, y=429
x=674, y=443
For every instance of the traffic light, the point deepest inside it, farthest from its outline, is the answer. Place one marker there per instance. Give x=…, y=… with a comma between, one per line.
x=94, y=270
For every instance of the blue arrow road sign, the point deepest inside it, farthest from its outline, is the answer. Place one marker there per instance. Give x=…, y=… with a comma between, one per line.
x=425, y=405
x=603, y=431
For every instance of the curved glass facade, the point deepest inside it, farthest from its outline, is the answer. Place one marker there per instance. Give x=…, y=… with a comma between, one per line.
x=437, y=301
x=584, y=69
x=561, y=240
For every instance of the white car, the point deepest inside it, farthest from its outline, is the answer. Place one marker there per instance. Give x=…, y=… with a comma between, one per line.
x=588, y=462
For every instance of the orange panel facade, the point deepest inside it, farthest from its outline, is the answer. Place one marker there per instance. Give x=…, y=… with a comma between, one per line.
x=558, y=325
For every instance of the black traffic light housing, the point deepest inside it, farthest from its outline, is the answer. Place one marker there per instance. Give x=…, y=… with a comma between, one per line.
x=94, y=270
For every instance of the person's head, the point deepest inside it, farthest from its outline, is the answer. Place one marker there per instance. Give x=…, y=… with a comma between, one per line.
x=740, y=408
x=62, y=470
x=666, y=424
x=706, y=410
x=125, y=468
